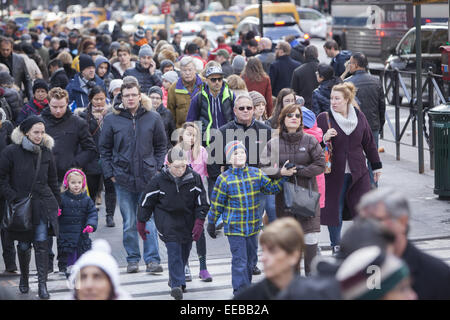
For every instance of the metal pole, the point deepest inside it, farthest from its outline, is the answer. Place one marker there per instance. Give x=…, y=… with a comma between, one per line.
x=397, y=113
x=419, y=85
x=261, y=23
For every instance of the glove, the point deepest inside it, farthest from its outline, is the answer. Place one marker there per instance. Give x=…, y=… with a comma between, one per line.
x=211, y=228
x=59, y=212
x=142, y=231
x=88, y=229
x=198, y=229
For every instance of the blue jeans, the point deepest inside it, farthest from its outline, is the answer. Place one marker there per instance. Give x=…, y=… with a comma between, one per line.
x=177, y=256
x=376, y=136
x=40, y=234
x=267, y=202
x=128, y=203
x=244, y=257
x=335, y=231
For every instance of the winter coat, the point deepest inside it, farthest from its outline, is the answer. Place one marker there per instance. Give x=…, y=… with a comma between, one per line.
x=280, y=73
x=169, y=123
x=298, y=52
x=17, y=170
x=31, y=108
x=77, y=212
x=78, y=98
x=19, y=73
x=305, y=152
x=146, y=81
x=431, y=275
x=59, y=79
x=356, y=148
x=201, y=109
x=304, y=80
x=14, y=100
x=338, y=62
x=371, y=98
x=108, y=77
x=318, y=134
x=32, y=67
x=236, y=196
x=74, y=146
x=179, y=99
x=174, y=219
x=117, y=71
x=132, y=148
x=266, y=57
x=320, y=101
x=265, y=88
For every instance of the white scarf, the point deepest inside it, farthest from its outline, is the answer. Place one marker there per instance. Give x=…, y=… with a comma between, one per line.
x=348, y=124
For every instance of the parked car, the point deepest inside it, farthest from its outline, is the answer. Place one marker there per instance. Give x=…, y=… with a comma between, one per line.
x=313, y=22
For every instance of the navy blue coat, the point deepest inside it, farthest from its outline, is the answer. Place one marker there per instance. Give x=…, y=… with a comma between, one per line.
x=78, y=98
x=78, y=211
x=146, y=81
x=280, y=73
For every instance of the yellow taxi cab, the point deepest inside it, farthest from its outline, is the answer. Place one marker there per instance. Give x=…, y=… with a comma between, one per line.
x=77, y=20
x=225, y=21
x=272, y=11
x=98, y=12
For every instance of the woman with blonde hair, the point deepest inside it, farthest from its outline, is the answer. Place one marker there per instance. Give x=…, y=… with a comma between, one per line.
x=237, y=85
x=349, y=133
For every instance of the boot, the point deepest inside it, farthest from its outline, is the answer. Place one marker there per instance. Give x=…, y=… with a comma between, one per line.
x=110, y=221
x=310, y=253
x=41, y=253
x=24, y=264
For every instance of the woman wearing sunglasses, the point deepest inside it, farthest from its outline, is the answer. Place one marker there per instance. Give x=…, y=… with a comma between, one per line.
x=303, y=151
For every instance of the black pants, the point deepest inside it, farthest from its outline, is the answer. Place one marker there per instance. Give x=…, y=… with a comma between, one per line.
x=94, y=184
x=9, y=252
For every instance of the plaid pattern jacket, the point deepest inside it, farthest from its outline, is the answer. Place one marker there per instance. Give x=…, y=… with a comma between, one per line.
x=236, y=197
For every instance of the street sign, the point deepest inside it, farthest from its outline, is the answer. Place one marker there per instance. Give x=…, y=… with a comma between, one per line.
x=165, y=8
x=416, y=2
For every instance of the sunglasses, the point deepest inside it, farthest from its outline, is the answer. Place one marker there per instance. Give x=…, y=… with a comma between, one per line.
x=249, y=108
x=291, y=115
x=216, y=79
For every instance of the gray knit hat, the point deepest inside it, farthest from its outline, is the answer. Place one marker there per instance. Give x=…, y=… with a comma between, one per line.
x=145, y=50
x=238, y=64
x=155, y=89
x=257, y=97
x=171, y=76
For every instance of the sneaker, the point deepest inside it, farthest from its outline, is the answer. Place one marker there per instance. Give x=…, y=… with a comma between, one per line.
x=205, y=276
x=187, y=273
x=256, y=271
x=183, y=286
x=133, y=267
x=335, y=251
x=154, y=267
x=177, y=293
x=110, y=222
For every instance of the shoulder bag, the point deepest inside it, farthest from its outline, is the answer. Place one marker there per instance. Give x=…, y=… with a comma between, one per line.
x=328, y=150
x=18, y=216
x=300, y=202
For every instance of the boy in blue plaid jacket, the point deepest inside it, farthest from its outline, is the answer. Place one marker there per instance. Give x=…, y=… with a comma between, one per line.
x=236, y=198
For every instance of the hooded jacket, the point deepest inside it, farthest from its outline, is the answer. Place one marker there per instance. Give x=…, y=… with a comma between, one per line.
x=132, y=147
x=17, y=169
x=78, y=98
x=108, y=77
x=174, y=219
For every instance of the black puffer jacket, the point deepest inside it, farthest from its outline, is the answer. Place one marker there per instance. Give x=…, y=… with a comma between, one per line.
x=146, y=81
x=174, y=219
x=370, y=96
x=74, y=146
x=169, y=123
x=132, y=148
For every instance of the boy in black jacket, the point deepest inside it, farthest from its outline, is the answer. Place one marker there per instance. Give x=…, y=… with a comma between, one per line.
x=178, y=222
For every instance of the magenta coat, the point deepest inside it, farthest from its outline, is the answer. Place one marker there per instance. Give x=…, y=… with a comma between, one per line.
x=354, y=147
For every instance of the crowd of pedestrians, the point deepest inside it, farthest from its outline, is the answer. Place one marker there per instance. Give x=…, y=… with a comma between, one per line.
x=221, y=132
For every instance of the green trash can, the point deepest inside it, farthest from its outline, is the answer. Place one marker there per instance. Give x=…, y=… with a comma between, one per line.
x=440, y=119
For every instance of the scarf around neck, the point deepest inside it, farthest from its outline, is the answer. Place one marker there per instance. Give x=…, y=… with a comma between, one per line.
x=348, y=124
x=30, y=146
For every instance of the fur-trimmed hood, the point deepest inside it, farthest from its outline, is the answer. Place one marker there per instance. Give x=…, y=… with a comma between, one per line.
x=17, y=136
x=146, y=103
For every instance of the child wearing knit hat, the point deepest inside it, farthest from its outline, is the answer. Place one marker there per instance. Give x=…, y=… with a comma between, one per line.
x=235, y=197
x=259, y=103
x=167, y=79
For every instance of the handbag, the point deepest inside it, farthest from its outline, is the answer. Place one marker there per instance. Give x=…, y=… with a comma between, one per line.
x=18, y=216
x=328, y=150
x=299, y=201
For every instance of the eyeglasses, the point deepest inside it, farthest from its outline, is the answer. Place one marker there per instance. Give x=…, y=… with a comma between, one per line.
x=215, y=79
x=131, y=95
x=249, y=108
x=291, y=115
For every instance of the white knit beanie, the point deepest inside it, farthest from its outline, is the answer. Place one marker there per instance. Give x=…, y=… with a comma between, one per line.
x=99, y=256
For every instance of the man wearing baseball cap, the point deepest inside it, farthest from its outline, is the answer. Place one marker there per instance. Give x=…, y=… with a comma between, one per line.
x=223, y=58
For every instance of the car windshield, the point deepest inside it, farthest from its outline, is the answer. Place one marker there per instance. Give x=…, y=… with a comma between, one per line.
x=277, y=33
x=225, y=19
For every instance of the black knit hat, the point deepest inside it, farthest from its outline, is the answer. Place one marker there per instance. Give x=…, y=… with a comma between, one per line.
x=39, y=84
x=86, y=61
x=26, y=124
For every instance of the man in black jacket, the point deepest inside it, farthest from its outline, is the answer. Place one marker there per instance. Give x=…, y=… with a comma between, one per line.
x=304, y=79
x=431, y=276
x=338, y=57
x=282, y=68
x=132, y=147
x=58, y=77
x=370, y=96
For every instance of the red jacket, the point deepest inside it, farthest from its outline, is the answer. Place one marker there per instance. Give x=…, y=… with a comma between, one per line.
x=265, y=88
x=220, y=46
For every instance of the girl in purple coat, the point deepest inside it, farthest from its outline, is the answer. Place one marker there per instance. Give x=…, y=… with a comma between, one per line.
x=352, y=141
